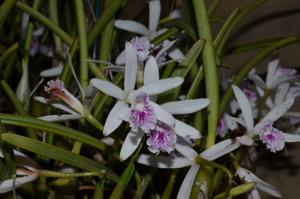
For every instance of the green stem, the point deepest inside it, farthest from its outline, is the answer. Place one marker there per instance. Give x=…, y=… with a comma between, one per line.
x=232, y=21
x=83, y=49
x=201, y=161
x=106, y=38
x=170, y=186
x=263, y=54
x=11, y=50
x=212, y=91
x=210, y=69
x=53, y=13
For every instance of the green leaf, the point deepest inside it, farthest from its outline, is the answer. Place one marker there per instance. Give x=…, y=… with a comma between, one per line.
x=51, y=127
x=57, y=153
x=183, y=26
x=238, y=190
x=192, y=55
x=123, y=182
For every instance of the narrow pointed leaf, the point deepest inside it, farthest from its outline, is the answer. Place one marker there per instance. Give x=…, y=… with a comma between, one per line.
x=57, y=153
x=58, y=129
x=193, y=54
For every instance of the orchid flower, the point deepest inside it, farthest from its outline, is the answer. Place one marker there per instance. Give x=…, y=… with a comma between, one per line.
x=56, y=89
x=272, y=137
x=27, y=171
x=144, y=115
x=186, y=157
x=276, y=75
x=247, y=176
x=148, y=34
x=135, y=106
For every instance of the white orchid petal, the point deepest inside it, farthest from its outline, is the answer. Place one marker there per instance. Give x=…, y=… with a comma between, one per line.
x=132, y=26
x=108, y=88
x=255, y=195
x=10, y=184
x=185, y=106
x=161, y=86
x=23, y=160
x=131, y=67
x=272, y=68
x=108, y=141
x=187, y=183
x=291, y=137
x=260, y=184
x=277, y=112
x=52, y=71
x=186, y=131
x=114, y=118
x=183, y=148
x=151, y=71
x=281, y=93
x=283, y=79
x=154, y=14
x=23, y=91
x=245, y=140
x=269, y=103
x=220, y=149
x=121, y=59
x=130, y=144
x=238, y=120
x=176, y=54
x=232, y=125
x=164, y=162
x=258, y=81
x=59, y=118
x=56, y=105
x=166, y=46
x=245, y=106
x=162, y=114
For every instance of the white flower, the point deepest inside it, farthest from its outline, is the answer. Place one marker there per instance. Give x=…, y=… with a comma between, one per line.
x=274, y=138
x=150, y=33
x=247, y=176
x=27, y=171
x=134, y=105
x=276, y=75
